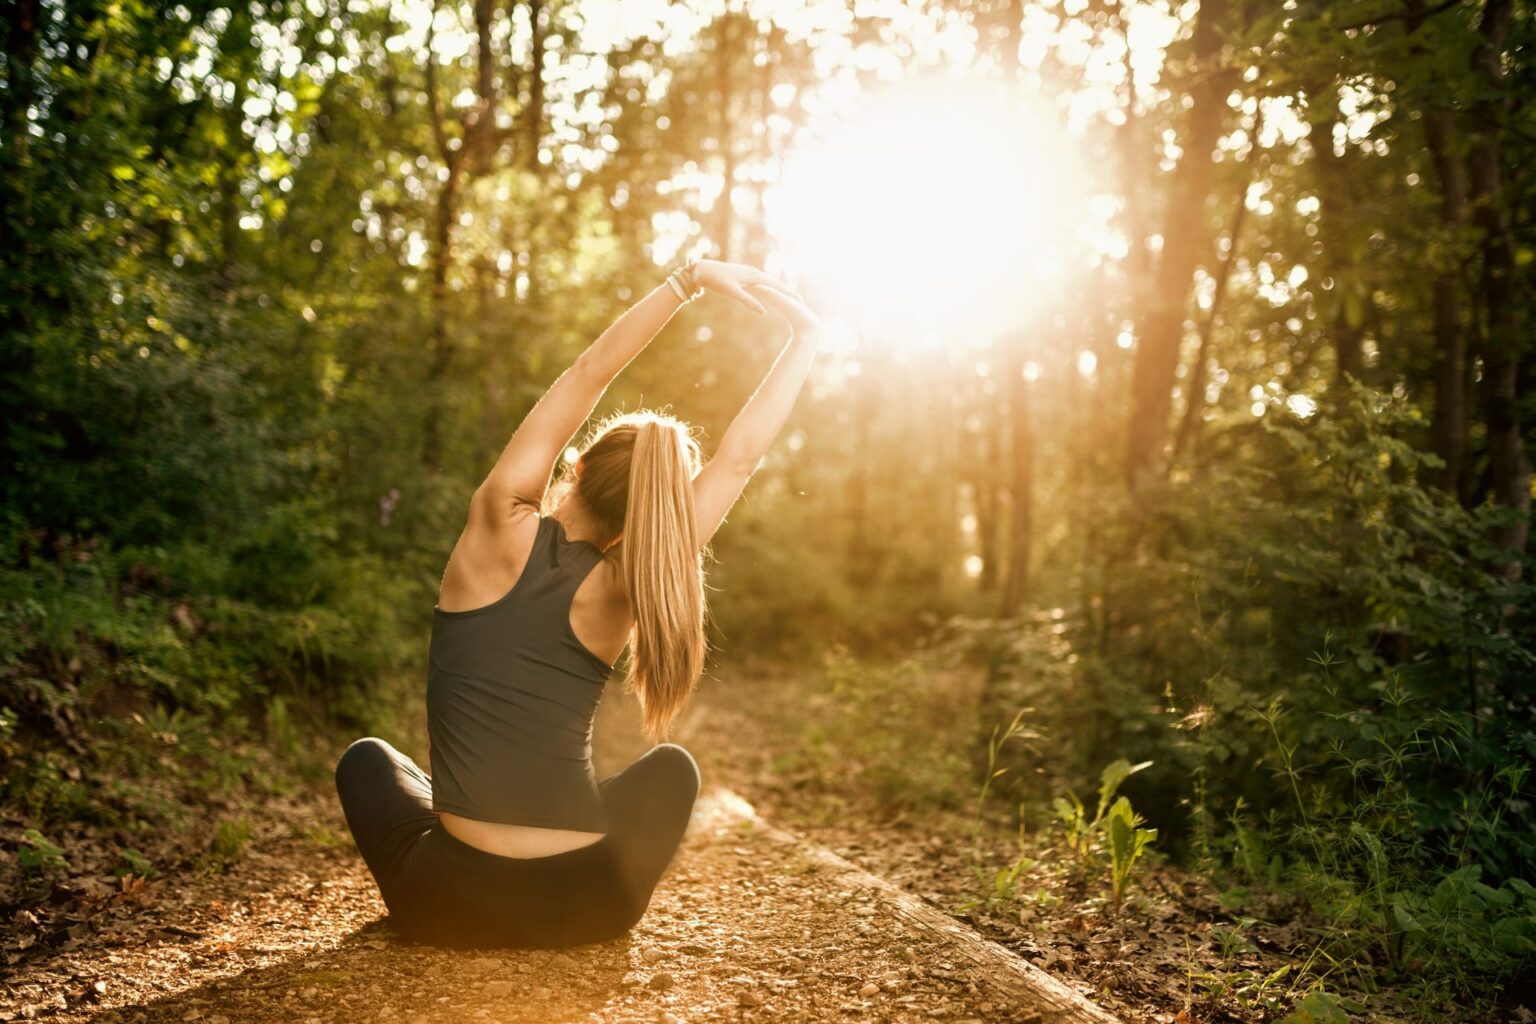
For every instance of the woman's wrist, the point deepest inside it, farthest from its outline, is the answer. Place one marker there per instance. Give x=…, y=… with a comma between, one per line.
x=684, y=282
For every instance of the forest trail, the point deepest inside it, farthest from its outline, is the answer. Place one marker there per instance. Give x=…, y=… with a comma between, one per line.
x=749, y=924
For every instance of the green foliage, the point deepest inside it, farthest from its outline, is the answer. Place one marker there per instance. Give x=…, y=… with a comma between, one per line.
x=1321, y=655
x=1114, y=828
x=1317, y=1007
x=39, y=856
x=230, y=839
x=1127, y=841
x=1081, y=830
x=136, y=863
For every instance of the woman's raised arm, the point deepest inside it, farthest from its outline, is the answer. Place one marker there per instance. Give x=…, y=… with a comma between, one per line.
x=522, y=473
x=750, y=434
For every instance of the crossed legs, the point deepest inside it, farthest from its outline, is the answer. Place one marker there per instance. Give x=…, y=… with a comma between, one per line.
x=387, y=800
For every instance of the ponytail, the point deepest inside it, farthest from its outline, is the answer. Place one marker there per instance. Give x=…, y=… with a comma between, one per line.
x=663, y=572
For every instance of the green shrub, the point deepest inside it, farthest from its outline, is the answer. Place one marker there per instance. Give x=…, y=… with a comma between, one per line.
x=39, y=856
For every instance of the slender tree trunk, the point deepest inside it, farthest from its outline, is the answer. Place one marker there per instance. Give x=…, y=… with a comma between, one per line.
x=1452, y=366
x=440, y=345
x=20, y=56
x=1450, y=421
x=1508, y=461
x=238, y=33
x=1021, y=441
x=858, y=484
x=1186, y=237
x=533, y=116
x=478, y=143
x=1336, y=189
x=15, y=200
x=988, y=501
x=1194, y=402
x=725, y=136
x=1022, y=489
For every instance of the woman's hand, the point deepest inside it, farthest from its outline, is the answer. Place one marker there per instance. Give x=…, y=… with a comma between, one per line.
x=733, y=280
x=802, y=318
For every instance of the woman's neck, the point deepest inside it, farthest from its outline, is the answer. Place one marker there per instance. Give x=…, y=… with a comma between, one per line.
x=577, y=522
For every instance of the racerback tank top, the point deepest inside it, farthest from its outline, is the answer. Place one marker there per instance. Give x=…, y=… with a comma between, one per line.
x=511, y=693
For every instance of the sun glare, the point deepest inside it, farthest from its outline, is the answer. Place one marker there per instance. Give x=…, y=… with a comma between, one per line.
x=935, y=211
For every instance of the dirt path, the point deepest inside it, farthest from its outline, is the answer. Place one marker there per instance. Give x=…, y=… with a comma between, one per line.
x=742, y=928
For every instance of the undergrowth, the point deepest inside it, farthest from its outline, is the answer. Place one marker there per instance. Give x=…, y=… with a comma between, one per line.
x=141, y=691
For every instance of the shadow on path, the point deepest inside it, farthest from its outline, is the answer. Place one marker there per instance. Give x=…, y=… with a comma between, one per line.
x=371, y=975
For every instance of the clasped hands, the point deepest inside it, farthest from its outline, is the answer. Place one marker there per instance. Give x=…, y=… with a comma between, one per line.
x=759, y=292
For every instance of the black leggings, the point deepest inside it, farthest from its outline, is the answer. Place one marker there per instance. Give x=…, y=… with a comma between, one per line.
x=443, y=891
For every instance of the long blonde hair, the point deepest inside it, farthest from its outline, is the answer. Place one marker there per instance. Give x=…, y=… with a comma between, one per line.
x=635, y=478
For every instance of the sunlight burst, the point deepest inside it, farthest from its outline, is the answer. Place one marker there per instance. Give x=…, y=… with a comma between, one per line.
x=936, y=211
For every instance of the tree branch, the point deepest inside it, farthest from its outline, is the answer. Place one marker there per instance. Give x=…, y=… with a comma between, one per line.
x=1419, y=17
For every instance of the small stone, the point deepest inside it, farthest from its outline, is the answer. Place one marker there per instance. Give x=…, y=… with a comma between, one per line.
x=869, y=989
x=653, y=955
x=694, y=949
x=661, y=981
x=499, y=989
x=668, y=1018
x=750, y=997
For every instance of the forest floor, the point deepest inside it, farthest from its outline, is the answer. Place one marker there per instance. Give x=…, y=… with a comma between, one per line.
x=742, y=928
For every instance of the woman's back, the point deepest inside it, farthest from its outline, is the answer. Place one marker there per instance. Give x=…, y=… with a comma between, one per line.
x=512, y=691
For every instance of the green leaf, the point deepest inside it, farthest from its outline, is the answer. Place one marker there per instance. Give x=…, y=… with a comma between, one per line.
x=1115, y=773
x=1406, y=921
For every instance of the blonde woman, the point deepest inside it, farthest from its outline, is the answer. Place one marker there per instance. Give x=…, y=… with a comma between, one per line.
x=512, y=841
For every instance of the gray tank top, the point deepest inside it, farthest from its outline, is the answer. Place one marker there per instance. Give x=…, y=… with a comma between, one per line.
x=510, y=698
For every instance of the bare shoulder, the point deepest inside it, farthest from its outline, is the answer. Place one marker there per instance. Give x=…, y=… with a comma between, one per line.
x=490, y=555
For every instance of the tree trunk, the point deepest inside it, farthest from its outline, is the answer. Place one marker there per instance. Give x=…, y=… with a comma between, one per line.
x=1449, y=427
x=440, y=346
x=478, y=143
x=988, y=502
x=1450, y=421
x=1508, y=462
x=229, y=166
x=1022, y=463
x=725, y=134
x=1194, y=401
x=1186, y=236
x=533, y=116
x=864, y=405
x=20, y=56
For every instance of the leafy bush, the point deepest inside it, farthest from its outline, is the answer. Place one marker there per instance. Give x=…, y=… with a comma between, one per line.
x=38, y=855
x=1323, y=659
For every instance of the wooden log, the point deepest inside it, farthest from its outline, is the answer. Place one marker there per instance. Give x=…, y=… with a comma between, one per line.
x=988, y=964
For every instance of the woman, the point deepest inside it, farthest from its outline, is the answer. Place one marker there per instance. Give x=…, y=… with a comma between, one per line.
x=511, y=841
